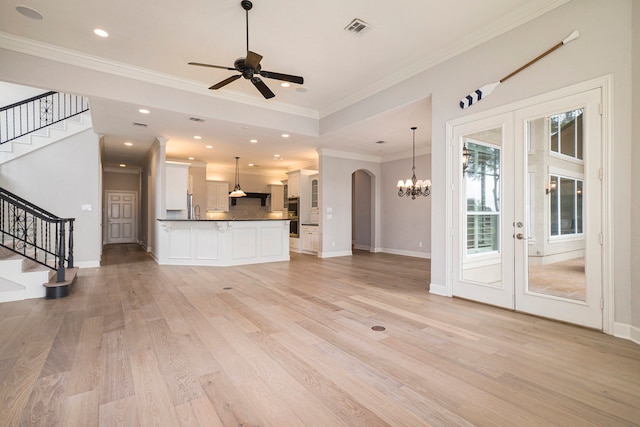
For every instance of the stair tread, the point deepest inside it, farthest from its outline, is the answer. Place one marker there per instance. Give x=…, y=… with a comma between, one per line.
x=69, y=277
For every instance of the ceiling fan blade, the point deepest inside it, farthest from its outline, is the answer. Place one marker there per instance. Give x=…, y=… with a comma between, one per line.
x=211, y=66
x=225, y=82
x=262, y=87
x=280, y=76
x=253, y=59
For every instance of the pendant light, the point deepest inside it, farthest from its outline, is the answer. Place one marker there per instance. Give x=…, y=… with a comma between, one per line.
x=237, y=191
x=413, y=187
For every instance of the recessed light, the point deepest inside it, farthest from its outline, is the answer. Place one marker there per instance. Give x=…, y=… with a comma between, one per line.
x=285, y=84
x=276, y=155
x=29, y=13
x=122, y=165
x=128, y=144
x=208, y=146
x=253, y=141
x=285, y=135
x=100, y=32
x=143, y=111
x=192, y=158
x=197, y=137
x=250, y=165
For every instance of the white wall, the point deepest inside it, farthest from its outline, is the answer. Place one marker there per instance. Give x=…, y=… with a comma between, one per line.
x=335, y=201
x=405, y=223
x=60, y=178
x=11, y=93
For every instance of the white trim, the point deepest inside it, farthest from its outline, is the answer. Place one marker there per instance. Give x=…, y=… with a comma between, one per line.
x=348, y=155
x=627, y=332
x=86, y=264
x=414, y=254
x=438, y=289
x=334, y=254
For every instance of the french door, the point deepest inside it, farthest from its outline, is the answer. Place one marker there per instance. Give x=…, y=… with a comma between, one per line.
x=529, y=210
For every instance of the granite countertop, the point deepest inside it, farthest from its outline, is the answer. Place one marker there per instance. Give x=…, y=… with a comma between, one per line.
x=232, y=220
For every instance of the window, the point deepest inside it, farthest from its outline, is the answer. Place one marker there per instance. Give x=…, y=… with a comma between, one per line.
x=566, y=133
x=482, y=182
x=566, y=206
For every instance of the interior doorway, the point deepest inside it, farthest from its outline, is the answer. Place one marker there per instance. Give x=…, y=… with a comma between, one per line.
x=121, y=221
x=362, y=219
x=528, y=222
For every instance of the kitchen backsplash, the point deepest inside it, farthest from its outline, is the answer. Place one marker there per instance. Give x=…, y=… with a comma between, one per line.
x=246, y=208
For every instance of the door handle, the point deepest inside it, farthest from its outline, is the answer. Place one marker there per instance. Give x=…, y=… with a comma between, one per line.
x=520, y=236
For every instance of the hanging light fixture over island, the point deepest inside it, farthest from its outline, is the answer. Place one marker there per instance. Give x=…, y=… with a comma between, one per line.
x=237, y=191
x=414, y=187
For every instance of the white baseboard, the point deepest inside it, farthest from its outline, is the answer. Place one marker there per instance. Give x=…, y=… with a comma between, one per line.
x=414, y=254
x=437, y=289
x=86, y=264
x=362, y=247
x=627, y=332
x=334, y=254
x=635, y=334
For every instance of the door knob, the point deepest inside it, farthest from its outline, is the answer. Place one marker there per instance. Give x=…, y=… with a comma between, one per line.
x=520, y=236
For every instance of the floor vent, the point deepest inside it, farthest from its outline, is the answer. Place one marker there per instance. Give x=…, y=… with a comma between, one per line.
x=139, y=125
x=196, y=119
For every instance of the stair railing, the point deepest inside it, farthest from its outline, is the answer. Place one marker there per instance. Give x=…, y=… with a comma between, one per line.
x=36, y=234
x=35, y=113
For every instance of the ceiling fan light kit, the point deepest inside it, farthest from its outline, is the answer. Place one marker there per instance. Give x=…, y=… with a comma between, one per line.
x=249, y=67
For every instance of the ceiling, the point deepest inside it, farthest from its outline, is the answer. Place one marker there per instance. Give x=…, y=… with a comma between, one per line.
x=157, y=40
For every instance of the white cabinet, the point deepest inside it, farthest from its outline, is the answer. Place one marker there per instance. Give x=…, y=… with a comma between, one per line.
x=294, y=244
x=276, y=200
x=294, y=184
x=217, y=196
x=177, y=186
x=315, y=207
x=299, y=186
x=310, y=236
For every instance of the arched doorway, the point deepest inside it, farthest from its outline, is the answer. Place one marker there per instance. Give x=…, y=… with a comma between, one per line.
x=362, y=210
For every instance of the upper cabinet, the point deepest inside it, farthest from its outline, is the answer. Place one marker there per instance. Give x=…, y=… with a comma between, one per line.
x=217, y=196
x=177, y=185
x=293, y=184
x=276, y=199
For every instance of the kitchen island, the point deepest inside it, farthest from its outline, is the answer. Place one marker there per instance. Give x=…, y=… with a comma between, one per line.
x=222, y=243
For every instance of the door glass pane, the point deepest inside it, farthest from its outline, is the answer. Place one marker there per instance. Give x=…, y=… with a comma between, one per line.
x=556, y=236
x=482, y=253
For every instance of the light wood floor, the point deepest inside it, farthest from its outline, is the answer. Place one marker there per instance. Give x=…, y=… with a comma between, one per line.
x=291, y=344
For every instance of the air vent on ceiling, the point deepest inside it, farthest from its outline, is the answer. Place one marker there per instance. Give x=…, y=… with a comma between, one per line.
x=357, y=26
x=196, y=119
x=139, y=125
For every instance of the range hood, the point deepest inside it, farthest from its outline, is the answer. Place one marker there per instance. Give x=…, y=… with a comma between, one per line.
x=261, y=196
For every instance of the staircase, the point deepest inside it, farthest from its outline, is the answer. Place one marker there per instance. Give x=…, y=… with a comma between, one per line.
x=36, y=247
x=44, y=136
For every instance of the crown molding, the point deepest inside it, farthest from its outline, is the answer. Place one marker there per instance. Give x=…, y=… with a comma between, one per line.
x=348, y=155
x=92, y=62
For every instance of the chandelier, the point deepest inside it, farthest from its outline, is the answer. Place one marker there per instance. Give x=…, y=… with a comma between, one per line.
x=413, y=187
x=237, y=191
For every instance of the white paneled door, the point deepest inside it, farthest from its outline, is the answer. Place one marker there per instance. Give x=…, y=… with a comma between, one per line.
x=121, y=217
x=529, y=211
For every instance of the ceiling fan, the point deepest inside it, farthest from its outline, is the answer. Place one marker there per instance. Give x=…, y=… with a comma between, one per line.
x=249, y=66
